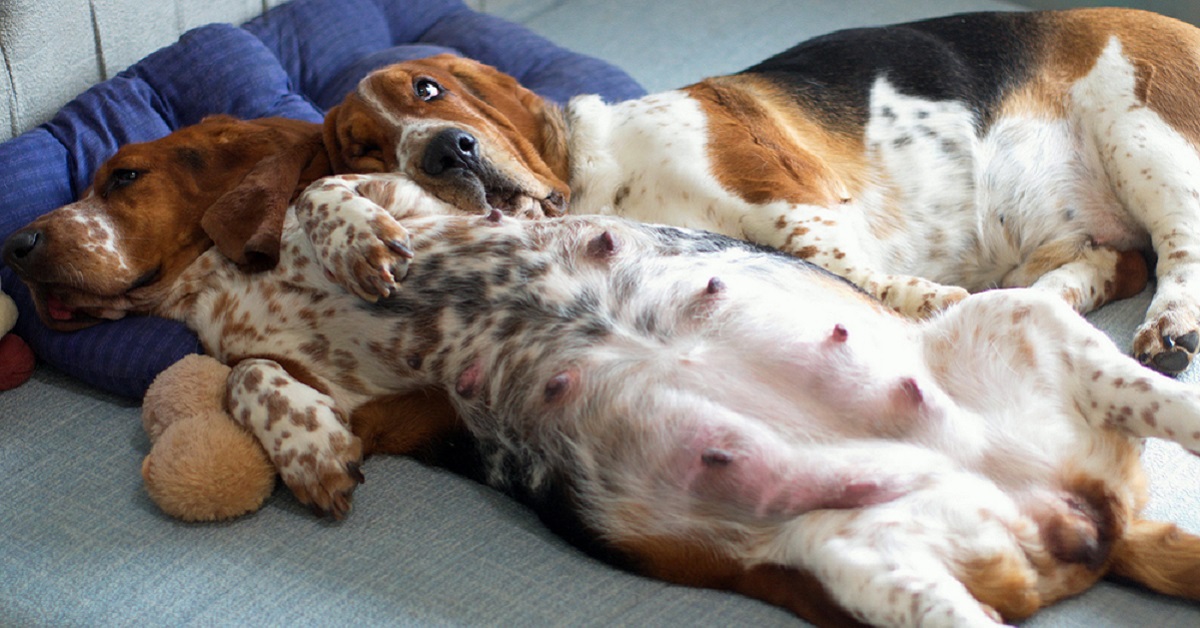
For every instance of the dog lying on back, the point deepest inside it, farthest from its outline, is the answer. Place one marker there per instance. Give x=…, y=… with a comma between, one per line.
x=920, y=161
x=690, y=406
x=717, y=414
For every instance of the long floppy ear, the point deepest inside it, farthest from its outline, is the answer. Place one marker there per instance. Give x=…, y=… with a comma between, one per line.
x=246, y=223
x=333, y=142
x=355, y=140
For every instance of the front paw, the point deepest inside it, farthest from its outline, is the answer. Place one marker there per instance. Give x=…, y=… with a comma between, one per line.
x=1167, y=344
x=941, y=299
x=360, y=246
x=371, y=260
x=919, y=299
x=324, y=476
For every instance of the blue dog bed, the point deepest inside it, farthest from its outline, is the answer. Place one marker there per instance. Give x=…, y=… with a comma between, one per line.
x=296, y=60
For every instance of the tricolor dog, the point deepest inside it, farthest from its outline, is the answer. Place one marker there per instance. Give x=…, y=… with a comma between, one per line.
x=921, y=161
x=693, y=407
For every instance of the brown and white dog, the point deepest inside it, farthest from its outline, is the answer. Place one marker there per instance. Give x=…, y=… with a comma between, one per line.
x=920, y=161
x=670, y=398
x=141, y=240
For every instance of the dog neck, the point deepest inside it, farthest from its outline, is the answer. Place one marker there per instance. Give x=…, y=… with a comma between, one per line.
x=595, y=174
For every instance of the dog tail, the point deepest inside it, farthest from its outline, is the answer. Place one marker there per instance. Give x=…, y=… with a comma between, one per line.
x=1160, y=557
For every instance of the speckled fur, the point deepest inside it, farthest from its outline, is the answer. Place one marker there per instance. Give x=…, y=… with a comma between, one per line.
x=681, y=385
x=921, y=161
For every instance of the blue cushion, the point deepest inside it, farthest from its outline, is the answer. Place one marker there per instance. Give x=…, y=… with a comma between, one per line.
x=296, y=60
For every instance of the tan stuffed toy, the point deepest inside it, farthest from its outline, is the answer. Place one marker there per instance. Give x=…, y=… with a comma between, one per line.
x=202, y=465
x=16, y=359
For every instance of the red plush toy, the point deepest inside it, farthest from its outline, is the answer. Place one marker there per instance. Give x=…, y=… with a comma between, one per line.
x=16, y=360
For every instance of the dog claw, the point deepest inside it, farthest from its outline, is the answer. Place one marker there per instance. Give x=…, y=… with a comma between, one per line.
x=381, y=287
x=354, y=470
x=400, y=248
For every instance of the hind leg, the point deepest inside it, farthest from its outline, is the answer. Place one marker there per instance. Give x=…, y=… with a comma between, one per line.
x=814, y=234
x=1088, y=279
x=1036, y=342
x=1153, y=169
x=910, y=564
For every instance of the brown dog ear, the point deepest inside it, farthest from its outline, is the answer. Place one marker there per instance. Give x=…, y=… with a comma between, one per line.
x=246, y=223
x=334, y=145
x=355, y=140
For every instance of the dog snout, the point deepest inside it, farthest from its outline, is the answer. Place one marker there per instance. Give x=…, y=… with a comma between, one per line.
x=452, y=149
x=20, y=249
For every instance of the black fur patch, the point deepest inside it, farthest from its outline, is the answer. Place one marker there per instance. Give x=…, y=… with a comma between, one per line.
x=972, y=58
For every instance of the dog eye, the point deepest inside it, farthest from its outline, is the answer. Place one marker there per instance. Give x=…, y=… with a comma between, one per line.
x=121, y=177
x=427, y=89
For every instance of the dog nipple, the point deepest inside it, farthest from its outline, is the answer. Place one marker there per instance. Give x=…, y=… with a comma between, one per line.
x=470, y=380
x=840, y=333
x=911, y=391
x=558, y=386
x=494, y=215
x=715, y=285
x=714, y=457
x=603, y=245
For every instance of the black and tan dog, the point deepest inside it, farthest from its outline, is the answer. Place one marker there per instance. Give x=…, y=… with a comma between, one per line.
x=920, y=161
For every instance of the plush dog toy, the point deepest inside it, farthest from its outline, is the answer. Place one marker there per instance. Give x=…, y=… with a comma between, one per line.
x=202, y=466
x=16, y=359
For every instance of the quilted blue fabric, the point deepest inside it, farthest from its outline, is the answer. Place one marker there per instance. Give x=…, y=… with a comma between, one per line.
x=296, y=61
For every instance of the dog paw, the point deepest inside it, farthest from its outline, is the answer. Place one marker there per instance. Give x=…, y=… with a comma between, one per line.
x=371, y=260
x=361, y=246
x=1167, y=344
x=928, y=302
x=325, y=478
x=940, y=300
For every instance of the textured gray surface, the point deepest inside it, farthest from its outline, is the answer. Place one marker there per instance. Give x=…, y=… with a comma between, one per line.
x=81, y=544
x=55, y=49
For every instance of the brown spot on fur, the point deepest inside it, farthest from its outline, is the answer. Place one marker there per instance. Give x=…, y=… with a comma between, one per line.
x=763, y=147
x=807, y=252
x=1164, y=51
x=1003, y=582
x=1131, y=276
x=692, y=563
x=1159, y=556
x=410, y=424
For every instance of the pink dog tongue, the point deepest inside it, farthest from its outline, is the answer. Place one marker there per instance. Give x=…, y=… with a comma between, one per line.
x=58, y=310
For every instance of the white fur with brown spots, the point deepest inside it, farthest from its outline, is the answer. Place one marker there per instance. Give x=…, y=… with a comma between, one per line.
x=921, y=161
x=680, y=386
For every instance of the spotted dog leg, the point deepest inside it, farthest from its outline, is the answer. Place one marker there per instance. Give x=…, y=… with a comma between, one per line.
x=1170, y=337
x=353, y=223
x=1094, y=277
x=303, y=432
x=1039, y=338
x=812, y=234
x=886, y=572
x=1153, y=168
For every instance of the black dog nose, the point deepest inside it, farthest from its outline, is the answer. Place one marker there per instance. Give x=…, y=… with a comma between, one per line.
x=20, y=246
x=449, y=150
